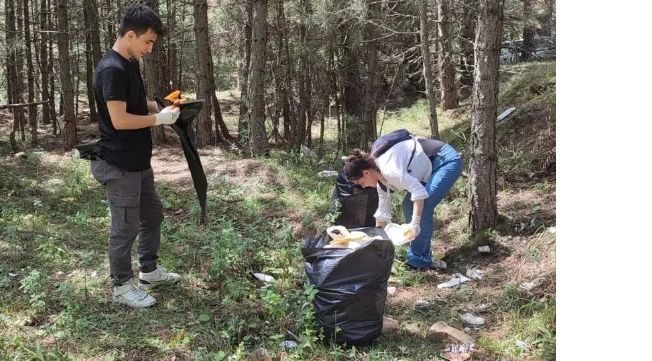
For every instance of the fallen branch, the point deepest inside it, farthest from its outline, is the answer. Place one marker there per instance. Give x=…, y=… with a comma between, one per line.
x=22, y=105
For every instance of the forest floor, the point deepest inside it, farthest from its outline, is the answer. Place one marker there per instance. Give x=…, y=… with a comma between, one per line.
x=55, y=292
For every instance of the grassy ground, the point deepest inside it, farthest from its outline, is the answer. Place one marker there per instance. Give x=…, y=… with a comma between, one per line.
x=54, y=289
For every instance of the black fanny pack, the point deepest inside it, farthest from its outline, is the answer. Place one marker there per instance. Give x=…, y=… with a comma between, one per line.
x=430, y=146
x=90, y=151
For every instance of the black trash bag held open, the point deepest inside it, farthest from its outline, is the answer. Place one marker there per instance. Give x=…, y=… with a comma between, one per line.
x=351, y=286
x=183, y=126
x=356, y=205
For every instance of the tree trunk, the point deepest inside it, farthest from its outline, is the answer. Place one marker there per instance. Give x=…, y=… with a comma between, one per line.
x=300, y=130
x=369, y=107
x=153, y=77
x=43, y=65
x=351, y=127
x=205, y=134
x=89, y=63
x=280, y=94
x=528, y=29
x=53, y=111
x=20, y=72
x=245, y=69
x=310, y=110
x=109, y=14
x=333, y=87
x=446, y=65
x=10, y=34
x=482, y=175
x=30, y=74
x=70, y=132
x=467, y=40
x=546, y=18
x=173, y=63
x=427, y=70
x=93, y=51
x=94, y=30
x=34, y=24
x=179, y=54
x=76, y=72
x=285, y=72
x=171, y=47
x=325, y=94
x=257, y=135
x=222, y=131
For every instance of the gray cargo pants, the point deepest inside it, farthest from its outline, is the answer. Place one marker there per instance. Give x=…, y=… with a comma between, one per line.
x=136, y=210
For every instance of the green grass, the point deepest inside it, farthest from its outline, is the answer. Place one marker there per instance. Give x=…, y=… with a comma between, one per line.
x=534, y=84
x=528, y=320
x=54, y=287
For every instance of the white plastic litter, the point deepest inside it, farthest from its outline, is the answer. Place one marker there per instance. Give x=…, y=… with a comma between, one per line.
x=337, y=232
x=484, y=249
x=353, y=245
x=473, y=274
x=472, y=320
x=506, y=113
x=522, y=345
x=457, y=352
x=288, y=344
x=265, y=278
x=479, y=308
x=391, y=290
x=456, y=280
x=396, y=234
x=328, y=173
x=439, y=264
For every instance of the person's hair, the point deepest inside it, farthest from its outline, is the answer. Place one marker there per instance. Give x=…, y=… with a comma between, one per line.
x=359, y=161
x=139, y=19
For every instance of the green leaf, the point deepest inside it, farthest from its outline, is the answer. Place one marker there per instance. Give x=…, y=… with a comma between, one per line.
x=204, y=318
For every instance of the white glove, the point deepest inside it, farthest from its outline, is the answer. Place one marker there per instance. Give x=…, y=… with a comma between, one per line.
x=381, y=224
x=168, y=115
x=414, y=227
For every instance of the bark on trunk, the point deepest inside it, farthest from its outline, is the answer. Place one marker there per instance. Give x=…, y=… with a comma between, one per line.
x=483, y=156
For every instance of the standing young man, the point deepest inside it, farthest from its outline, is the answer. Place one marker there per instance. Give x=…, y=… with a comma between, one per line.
x=126, y=149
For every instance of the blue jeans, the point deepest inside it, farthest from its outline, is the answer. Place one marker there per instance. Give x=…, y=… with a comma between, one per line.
x=446, y=168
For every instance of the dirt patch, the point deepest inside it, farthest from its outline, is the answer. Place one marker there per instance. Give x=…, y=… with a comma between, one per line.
x=170, y=165
x=527, y=211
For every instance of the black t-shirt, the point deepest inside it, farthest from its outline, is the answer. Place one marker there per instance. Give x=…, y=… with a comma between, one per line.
x=117, y=78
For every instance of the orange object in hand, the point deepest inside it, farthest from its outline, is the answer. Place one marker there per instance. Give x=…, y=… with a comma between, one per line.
x=174, y=98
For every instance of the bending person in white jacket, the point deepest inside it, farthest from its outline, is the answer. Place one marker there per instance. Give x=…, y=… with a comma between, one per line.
x=427, y=179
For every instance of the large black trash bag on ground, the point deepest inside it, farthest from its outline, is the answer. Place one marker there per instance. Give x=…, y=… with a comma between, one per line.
x=356, y=205
x=183, y=126
x=351, y=286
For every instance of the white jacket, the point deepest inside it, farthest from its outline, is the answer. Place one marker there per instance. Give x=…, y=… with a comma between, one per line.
x=393, y=165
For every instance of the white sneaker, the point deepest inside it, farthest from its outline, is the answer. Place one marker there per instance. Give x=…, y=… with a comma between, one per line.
x=157, y=277
x=132, y=296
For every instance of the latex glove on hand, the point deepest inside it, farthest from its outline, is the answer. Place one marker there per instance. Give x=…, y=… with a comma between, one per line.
x=168, y=115
x=381, y=224
x=413, y=228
